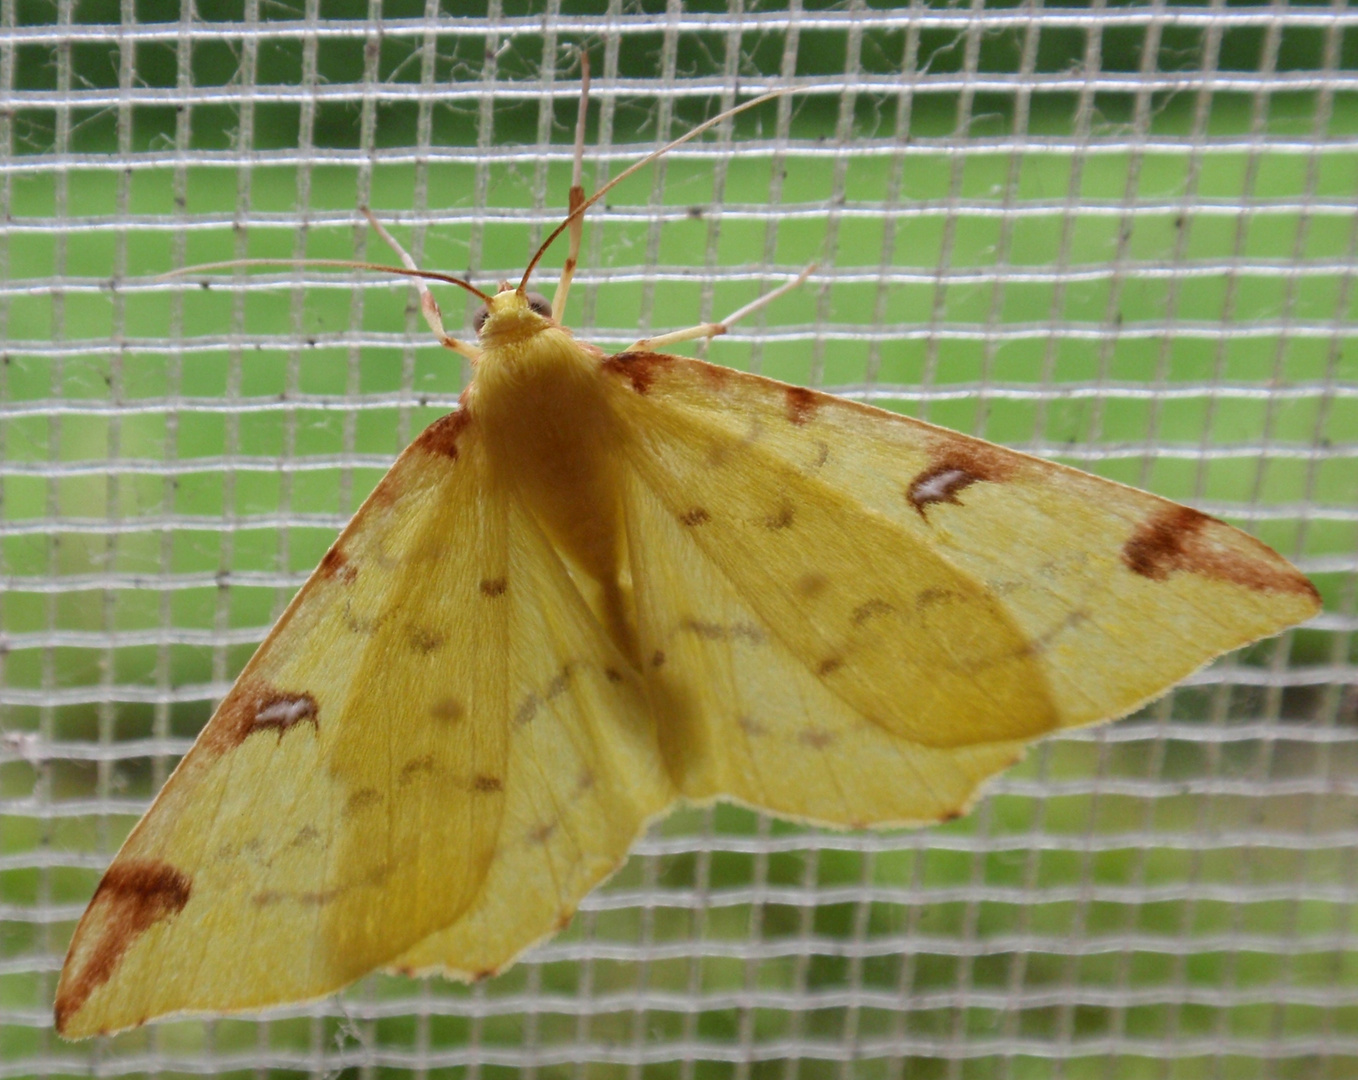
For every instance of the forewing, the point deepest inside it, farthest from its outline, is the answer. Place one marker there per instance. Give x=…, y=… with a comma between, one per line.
x=951, y=594
x=346, y=798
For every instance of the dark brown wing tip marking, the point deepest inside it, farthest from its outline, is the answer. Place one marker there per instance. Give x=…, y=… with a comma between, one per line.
x=441, y=436
x=133, y=896
x=963, y=462
x=1180, y=539
x=1159, y=545
x=639, y=368
x=257, y=706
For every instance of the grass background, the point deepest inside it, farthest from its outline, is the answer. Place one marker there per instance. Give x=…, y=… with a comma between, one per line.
x=1171, y=897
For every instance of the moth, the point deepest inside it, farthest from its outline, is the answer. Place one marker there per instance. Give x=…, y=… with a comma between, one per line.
x=605, y=583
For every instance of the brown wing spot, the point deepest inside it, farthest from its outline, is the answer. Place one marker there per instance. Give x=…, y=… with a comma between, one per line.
x=720, y=454
x=935, y=597
x=751, y=726
x=527, y=710
x=282, y=711
x=638, y=368
x=493, y=587
x=1160, y=544
x=1179, y=539
x=782, y=519
x=612, y=675
x=256, y=706
x=696, y=516
x=816, y=738
x=802, y=404
x=360, y=800
x=585, y=781
x=658, y=658
x=441, y=436
x=415, y=767
x=560, y=683
x=487, y=785
x=335, y=564
x=964, y=462
x=940, y=483
x=306, y=836
x=542, y=833
x=448, y=708
x=388, y=490
x=423, y=640
x=871, y=609
x=311, y=898
x=364, y=626
x=811, y=585
x=705, y=630
x=564, y=920
x=829, y=666
x=715, y=374
x=133, y=896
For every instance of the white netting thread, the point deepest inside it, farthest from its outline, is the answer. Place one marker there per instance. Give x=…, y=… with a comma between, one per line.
x=1123, y=236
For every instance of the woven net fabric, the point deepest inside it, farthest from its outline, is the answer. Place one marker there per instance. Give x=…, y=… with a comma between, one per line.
x=1121, y=235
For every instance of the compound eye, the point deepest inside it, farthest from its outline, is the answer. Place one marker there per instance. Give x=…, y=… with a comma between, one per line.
x=480, y=318
x=540, y=304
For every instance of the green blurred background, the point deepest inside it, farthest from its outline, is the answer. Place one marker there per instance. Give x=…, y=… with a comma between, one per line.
x=1119, y=235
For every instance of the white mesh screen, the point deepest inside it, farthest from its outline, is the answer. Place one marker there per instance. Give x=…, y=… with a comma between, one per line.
x=1121, y=235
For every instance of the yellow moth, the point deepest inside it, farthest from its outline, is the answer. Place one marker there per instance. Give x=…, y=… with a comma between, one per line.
x=607, y=583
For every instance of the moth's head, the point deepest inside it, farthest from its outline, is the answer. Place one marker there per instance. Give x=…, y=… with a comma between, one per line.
x=512, y=316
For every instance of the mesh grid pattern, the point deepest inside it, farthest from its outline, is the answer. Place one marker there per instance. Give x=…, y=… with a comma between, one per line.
x=1119, y=235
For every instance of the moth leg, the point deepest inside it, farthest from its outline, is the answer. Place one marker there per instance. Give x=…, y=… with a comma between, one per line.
x=716, y=329
x=577, y=227
x=429, y=307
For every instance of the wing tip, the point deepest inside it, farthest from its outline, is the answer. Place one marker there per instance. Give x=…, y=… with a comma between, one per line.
x=73, y=1020
x=1180, y=539
x=133, y=896
x=64, y=1011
